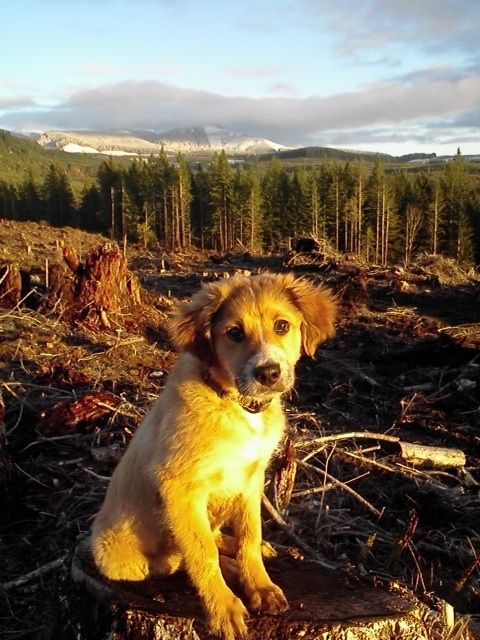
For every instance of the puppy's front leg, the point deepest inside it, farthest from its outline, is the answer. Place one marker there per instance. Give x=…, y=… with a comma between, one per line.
x=261, y=592
x=187, y=516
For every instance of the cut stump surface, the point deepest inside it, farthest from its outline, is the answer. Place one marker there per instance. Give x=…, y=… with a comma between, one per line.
x=326, y=605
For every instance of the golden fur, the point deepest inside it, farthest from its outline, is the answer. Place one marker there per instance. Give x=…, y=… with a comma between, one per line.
x=197, y=462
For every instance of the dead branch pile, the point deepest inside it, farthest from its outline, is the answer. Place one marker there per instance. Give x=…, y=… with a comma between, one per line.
x=447, y=270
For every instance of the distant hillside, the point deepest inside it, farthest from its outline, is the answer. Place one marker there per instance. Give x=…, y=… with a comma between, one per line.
x=329, y=153
x=21, y=158
x=345, y=155
x=195, y=140
x=418, y=157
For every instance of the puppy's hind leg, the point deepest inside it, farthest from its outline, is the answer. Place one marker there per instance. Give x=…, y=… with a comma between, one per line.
x=118, y=554
x=167, y=559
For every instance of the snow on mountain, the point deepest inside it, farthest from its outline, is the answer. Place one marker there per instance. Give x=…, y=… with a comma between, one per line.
x=97, y=142
x=71, y=147
x=200, y=140
x=211, y=138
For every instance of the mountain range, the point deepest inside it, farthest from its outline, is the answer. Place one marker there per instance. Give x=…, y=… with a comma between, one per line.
x=195, y=140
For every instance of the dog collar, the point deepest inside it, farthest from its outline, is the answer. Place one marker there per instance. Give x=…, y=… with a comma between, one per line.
x=246, y=402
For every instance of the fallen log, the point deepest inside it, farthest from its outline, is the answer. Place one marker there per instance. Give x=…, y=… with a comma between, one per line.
x=415, y=454
x=432, y=457
x=330, y=605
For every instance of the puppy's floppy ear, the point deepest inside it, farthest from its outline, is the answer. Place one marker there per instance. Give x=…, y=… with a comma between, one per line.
x=318, y=308
x=190, y=326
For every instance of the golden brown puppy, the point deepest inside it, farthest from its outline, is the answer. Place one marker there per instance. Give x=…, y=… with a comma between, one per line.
x=197, y=462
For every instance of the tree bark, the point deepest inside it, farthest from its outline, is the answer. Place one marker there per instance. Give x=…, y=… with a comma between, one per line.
x=96, y=293
x=10, y=286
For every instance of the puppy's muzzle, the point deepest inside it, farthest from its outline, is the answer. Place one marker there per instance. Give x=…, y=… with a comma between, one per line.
x=267, y=374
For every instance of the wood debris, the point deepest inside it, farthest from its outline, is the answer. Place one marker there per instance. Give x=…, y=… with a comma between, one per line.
x=397, y=386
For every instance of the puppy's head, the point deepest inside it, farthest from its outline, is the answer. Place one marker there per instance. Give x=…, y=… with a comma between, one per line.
x=250, y=331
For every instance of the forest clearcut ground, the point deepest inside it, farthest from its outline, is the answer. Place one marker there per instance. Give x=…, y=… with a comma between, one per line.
x=404, y=363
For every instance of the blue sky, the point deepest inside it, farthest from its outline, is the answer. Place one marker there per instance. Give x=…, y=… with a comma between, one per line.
x=390, y=75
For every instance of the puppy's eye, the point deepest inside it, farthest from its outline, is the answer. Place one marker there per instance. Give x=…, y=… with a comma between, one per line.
x=236, y=334
x=281, y=327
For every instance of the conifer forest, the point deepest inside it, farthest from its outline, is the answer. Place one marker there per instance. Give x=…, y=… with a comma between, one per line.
x=382, y=215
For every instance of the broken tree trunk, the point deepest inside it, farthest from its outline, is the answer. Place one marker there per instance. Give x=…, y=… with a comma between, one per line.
x=10, y=286
x=100, y=293
x=323, y=604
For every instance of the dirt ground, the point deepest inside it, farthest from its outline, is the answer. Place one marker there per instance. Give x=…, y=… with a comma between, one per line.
x=404, y=363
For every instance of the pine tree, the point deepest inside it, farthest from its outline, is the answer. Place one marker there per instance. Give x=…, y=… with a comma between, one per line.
x=298, y=205
x=110, y=178
x=275, y=187
x=30, y=204
x=327, y=202
x=345, y=187
x=138, y=222
x=413, y=224
x=456, y=193
x=162, y=178
x=184, y=200
x=200, y=209
x=221, y=192
x=246, y=207
x=8, y=201
x=375, y=210
x=57, y=196
x=90, y=208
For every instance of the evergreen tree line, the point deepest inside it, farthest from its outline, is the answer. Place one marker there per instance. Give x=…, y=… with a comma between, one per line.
x=384, y=217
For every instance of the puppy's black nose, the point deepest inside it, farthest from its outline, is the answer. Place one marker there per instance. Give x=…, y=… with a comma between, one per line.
x=267, y=374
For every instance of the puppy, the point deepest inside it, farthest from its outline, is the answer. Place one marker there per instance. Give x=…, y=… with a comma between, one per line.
x=197, y=462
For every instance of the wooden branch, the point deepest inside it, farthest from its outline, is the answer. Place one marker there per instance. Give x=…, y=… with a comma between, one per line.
x=369, y=435
x=288, y=529
x=36, y=573
x=344, y=486
x=415, y=454
x=428, y=456
x=337, y=437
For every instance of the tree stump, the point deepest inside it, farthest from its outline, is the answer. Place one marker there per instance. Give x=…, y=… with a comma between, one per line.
x=102, y=293
x=324, y=604
x=10, y=286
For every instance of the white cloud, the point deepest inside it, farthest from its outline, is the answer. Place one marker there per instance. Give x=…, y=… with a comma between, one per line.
x=15, y=102
x=283, y=89
x=291, y=120
x=432, y=104
x=258, y=71
x=429, y=25
x=106, y=69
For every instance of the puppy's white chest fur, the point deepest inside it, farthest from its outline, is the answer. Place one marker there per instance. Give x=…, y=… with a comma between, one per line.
x=260, y=443
x=255, y=420
x=248, y=454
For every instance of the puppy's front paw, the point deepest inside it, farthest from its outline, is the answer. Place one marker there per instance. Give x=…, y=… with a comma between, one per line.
x=227, y=618
x=267, y=599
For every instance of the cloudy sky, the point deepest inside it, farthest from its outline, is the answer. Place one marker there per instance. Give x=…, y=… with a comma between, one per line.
x=388, y=75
